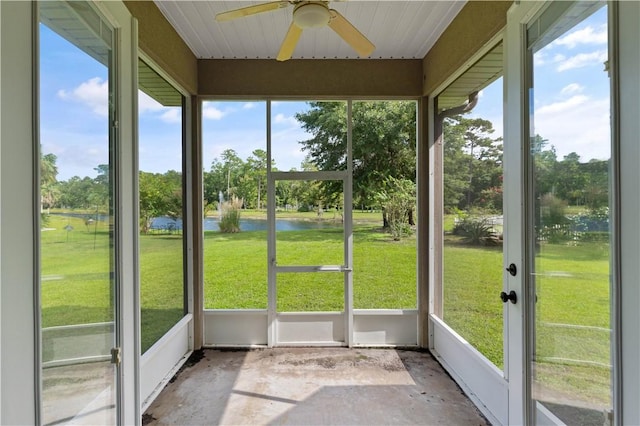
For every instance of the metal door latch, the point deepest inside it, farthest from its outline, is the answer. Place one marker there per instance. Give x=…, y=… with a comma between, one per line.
x=115, y=356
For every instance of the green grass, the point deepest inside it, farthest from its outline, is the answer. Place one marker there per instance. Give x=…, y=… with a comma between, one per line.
x=76, y=286
x=236, y=270
x=572, y=312
x=572, y=287
x=472, y=284
x=76, y=264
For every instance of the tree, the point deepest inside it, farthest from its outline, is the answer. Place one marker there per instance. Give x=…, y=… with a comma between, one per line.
x=232, y=166
x=75, y=192
x=100, y=194
x=48, y=169
x=383, y=144
x=49, y=192
x=398, y=200
x=257, y=164
x=472, y=162
x=596, y=191
x=160, y=195
x=150, y=196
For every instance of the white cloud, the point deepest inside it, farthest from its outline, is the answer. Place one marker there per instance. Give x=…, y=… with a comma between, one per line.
x=93, y=93
x=558, y=57
x=562, y=106
x=540, y=58
x=583, y=59
x=249, y=105
x=586, y=35
x=172, y=116
x=283, y=119
x=579, y=124
x=571, y=89
x=78, y=152
x=212, y=113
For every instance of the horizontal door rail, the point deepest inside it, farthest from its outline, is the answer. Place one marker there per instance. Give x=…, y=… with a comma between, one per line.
x=313, y=268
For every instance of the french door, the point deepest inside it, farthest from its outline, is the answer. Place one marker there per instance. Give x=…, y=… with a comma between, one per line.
x=558, y=98
x=87, y=294
x=78, y=270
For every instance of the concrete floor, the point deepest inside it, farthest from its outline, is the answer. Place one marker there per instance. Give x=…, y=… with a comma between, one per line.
x=312, y=386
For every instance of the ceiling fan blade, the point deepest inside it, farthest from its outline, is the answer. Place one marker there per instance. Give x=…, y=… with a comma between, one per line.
x=289, y=43
x=250, y=10
x=350, y=34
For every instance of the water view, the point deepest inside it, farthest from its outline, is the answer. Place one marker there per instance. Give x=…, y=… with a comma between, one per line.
x=211, y=224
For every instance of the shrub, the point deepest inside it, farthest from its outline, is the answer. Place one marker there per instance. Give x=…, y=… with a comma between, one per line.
x=44, y=219
x=397, y=199
x=476, y=230
x=230, y=219
x=552, y=210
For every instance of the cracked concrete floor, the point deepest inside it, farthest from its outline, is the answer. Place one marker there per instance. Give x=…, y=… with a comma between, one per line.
x=312, y=386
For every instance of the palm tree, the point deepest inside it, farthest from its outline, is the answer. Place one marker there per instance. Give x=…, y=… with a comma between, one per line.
x=48, y=175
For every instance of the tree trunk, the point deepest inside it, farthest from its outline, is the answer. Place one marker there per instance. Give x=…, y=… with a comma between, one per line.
x=385, y=219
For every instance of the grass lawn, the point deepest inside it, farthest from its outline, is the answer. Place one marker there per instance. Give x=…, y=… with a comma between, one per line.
x=76, y=264
x=76, y=287
x=236, y=270
x=472, y=285
x=572, y=312
x=572, y=287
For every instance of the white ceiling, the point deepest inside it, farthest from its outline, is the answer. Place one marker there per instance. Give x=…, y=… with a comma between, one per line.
x=399, y=29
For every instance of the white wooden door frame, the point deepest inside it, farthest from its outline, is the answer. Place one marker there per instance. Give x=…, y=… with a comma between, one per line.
x=517, y=370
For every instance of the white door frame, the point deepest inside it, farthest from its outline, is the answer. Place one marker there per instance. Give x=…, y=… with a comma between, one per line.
x=311, y=328
x=517, y=368
x=626, y=110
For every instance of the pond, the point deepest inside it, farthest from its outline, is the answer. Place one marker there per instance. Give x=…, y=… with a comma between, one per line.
x=211, y=224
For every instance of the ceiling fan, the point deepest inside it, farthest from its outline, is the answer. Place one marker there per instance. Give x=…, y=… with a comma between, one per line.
x=306, y=14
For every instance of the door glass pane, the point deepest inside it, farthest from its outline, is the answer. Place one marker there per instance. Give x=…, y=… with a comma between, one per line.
x=77, y=271
x=569, y=224
x=472, y=275
x=311, y=230
x=384, y=205
x=235, y=214
x=160, y=184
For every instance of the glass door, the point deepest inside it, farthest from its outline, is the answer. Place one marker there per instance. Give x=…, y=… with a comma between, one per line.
x=309, y=234
x=78, y=309
x=568, y=211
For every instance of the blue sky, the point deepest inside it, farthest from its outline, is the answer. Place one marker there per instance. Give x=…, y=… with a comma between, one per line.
x=571, y=109
x=571, y=92
x=241, y=126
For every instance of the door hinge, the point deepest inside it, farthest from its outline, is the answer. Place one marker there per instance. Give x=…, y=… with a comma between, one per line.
x=115, y=356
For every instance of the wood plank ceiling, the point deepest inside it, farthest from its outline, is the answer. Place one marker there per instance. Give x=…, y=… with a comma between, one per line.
x=399, y=29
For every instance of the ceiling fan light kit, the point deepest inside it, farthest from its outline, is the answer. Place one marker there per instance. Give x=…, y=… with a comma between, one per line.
x=307, y=14
x=311, y=15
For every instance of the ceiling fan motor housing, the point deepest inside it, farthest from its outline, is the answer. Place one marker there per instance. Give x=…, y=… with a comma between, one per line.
x=311, y=15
